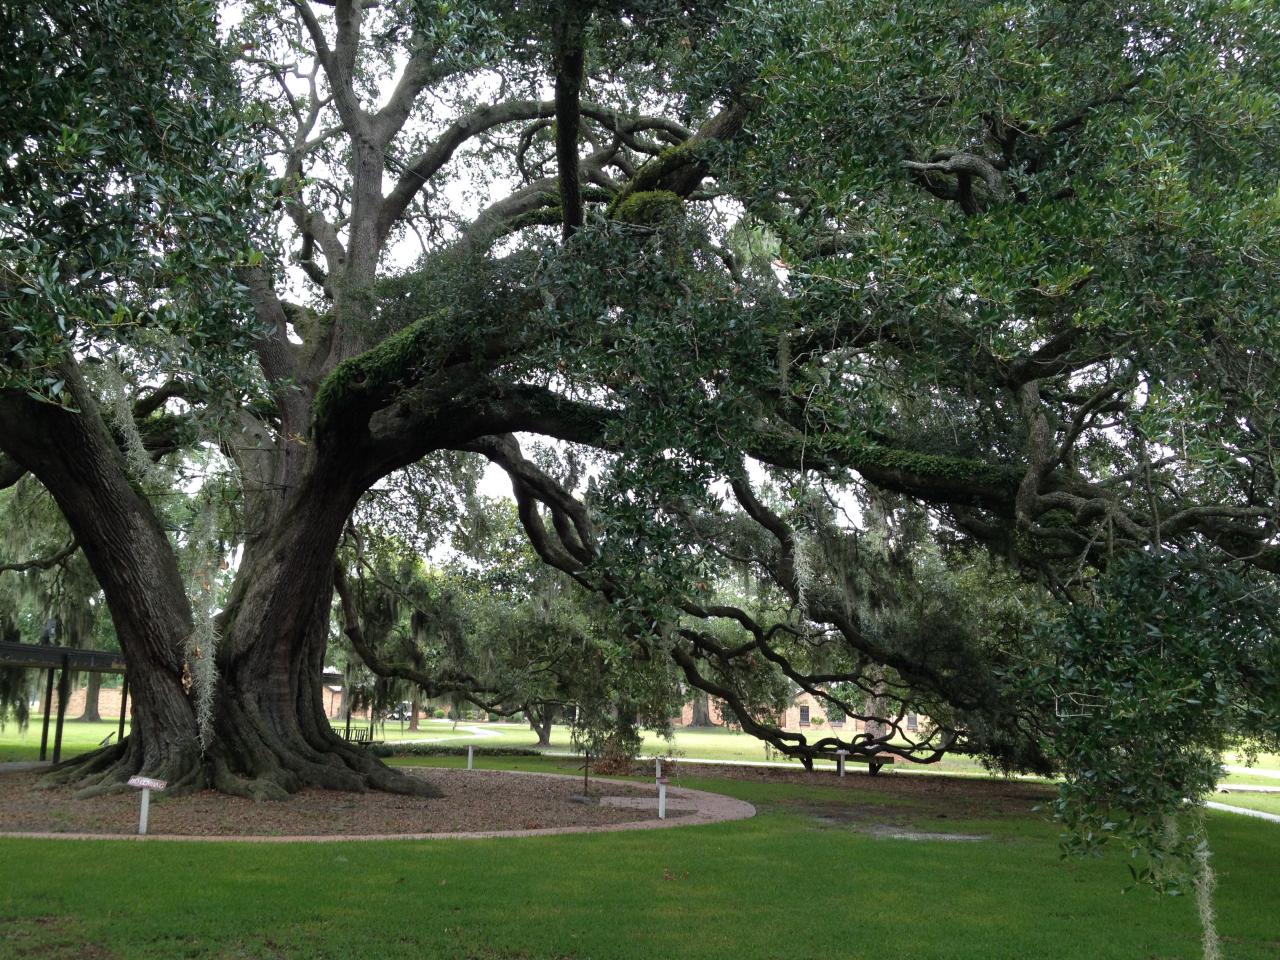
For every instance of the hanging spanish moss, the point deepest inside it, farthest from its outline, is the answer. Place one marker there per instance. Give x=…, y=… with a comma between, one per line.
x=120, y=410
x=804, y=572
x=200, y=671
x=1204, y=882
x=17, y=689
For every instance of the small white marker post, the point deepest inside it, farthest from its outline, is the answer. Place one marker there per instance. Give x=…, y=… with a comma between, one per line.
x=840, y=755
x=657, y=767
x=471, y=757
x=662, y=798
x=147, y=784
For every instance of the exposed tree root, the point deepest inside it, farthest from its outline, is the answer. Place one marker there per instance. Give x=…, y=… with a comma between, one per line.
x=255, y=768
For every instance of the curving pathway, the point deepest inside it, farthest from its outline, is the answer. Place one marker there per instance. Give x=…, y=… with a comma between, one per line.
x=697, y=808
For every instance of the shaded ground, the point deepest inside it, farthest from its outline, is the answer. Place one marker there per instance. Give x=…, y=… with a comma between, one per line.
x=473, y=801
x=894, y=807
x=891, y=797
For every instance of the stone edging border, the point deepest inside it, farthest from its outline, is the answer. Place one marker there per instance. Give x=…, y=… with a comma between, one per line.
x=710, y=808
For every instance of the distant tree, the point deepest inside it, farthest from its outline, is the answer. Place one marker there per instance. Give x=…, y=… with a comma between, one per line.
x=51, y=596
x=701, y=705
x=497, y=627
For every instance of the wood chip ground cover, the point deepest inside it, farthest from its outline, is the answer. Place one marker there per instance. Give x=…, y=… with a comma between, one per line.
x=472, y=801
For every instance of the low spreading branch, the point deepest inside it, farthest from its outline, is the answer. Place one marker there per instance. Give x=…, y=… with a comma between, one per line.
x=43, y=563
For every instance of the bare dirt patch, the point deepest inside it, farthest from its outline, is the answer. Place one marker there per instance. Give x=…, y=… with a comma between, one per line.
x=47, y=938
x=916, y=796
x=474, y=800
x=893, y=805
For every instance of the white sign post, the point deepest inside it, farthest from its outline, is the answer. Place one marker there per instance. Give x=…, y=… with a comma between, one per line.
x=662, y=798
x=147, y=784
x=657, y=770
x=840, y=755
x=471, y=758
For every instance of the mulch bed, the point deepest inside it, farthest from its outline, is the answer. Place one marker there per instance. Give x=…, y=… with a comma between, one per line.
x=474, y=800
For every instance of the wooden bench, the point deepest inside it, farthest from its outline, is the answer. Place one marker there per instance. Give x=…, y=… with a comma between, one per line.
x=362, y=735
x=873, y=763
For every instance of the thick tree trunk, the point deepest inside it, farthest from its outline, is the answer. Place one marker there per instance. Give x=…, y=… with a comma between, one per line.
x=340, y=711
x=701, y=710
x=271, y=735
x=131, y=557
x=91, y=693
x=543, y=730
x=415, y=709
x=540, y=717
x=877, y=707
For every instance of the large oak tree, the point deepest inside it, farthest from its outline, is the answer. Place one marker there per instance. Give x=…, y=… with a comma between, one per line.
x=1013, y=263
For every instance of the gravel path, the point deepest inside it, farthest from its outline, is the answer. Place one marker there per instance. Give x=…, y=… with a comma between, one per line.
x=476, y=804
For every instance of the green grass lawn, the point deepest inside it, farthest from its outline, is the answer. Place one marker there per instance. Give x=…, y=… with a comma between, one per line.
x=781, y=885
x=1265, y=763
x=713, y=744
x=710, y=744
x=1251, y=779
x=77, y=738
x=1266, y=802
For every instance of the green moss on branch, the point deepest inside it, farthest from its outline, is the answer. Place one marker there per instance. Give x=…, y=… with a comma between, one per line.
x=648, y=208
x=932, y=467
x=364, y=383
x=542, y=217
x=651, y=176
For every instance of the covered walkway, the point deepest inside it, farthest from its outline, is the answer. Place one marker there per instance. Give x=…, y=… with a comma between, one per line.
x=65, y=661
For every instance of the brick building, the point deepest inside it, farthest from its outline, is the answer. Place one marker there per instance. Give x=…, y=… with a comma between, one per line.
x=805, y=715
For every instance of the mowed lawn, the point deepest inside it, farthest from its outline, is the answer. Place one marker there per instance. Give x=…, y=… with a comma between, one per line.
x=717, y=744
x=709, y=744
x=77, y=738
x=1265, y=802
x=803, y=879
x=690, y=744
